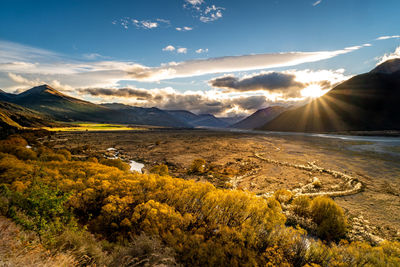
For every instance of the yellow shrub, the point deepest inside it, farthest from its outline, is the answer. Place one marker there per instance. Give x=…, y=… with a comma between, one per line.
x=161, y=170
x=329, y=217
x=198, y=166
x=301, y=206
x=283, y=196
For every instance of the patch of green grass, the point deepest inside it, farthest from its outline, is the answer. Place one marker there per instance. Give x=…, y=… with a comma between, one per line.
x=81, y=127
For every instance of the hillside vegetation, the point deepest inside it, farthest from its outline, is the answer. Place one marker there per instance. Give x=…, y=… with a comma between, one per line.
x=106, y=215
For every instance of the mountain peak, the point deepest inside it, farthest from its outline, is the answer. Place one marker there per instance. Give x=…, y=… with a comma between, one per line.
x=388, y=67
x=41, y=89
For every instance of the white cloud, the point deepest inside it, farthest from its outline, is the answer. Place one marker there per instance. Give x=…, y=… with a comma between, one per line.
x=201, y=50
x=165, y=21
x=93, y=56
x=316, y=3
x=41, y=66
x=211, y=13
x=184, y=29
x=230, y=64
x=24, y=83
x=199, y=102
x=169, y=48
x=126, y=22
x=21, y=80
x=46, y=66
x=285, y=85
x=181, y=50
x=203, y=12
x=388, y=37
x=149, y=24
x=195, y=2
x=388, y=56
x=14, y=52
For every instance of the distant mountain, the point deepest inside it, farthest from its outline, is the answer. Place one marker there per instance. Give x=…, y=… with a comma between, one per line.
x=259, y=118
x=209, y=120
x=232, y=120
x=59, y=106
x=365, y=102
x=202, y=120
x=183, y=115
x=49, y=101
x=146, y=116
x=6, y=96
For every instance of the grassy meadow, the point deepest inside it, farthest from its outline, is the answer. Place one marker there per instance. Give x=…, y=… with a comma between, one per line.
x=87, y=126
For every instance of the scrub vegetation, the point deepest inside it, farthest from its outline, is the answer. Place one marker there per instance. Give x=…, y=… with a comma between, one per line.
x=96, y=212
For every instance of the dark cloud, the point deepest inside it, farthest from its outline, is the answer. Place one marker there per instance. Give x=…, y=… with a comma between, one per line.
x=272, y=81
x=196, y=102
x=121, y=92
x=200, y=104
x=251, y=102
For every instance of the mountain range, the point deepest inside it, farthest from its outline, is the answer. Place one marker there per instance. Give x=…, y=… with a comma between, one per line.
x=52, y=104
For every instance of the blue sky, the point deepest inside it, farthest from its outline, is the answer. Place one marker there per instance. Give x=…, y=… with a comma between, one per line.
x=80, y=45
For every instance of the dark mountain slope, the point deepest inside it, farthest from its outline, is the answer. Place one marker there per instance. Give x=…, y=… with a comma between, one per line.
x=14, y=118
x=62, y=107
x=259, y=118
x=202, y=120
x=59, y=106
x=6, y=96
x=146, y=116
x=365, y=102
x=25, y=117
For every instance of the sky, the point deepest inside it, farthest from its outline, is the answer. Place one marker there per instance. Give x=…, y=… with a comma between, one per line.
x=225, y=57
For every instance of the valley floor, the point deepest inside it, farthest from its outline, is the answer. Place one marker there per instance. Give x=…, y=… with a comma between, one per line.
x=373, y=209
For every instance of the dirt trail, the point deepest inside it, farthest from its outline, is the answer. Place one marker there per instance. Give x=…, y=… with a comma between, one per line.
x=352, y=185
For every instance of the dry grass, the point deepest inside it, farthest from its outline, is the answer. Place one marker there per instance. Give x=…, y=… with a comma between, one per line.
x=22, y=248
x=19, y=247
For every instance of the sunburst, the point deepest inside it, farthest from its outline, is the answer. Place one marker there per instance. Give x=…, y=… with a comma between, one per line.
x=313, y=91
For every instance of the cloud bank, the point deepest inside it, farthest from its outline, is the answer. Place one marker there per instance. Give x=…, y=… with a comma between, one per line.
x=230, y=64
x=264, y=81
x=285, y=85
x=199, y=102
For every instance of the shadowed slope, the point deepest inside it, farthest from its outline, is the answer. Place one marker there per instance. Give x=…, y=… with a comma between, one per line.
x=365, y=102
x=59, y=106
x=259, y=118
x=194, y=120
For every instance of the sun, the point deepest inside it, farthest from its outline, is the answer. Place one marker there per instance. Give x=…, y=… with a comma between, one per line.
x=313, y=91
